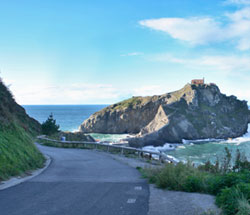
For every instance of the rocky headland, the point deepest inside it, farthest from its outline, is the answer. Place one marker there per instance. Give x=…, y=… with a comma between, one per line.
x=197, y=111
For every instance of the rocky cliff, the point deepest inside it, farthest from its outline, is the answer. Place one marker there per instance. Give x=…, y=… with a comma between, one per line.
x=194, y=112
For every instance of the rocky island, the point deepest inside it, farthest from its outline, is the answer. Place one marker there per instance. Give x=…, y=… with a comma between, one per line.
x=197, y=111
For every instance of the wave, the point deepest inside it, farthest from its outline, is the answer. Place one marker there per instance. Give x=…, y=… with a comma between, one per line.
x=184, y=141
x=205, y=149
x=239, y=140
x=111, y=138
x=75, y=130
x=165, y=147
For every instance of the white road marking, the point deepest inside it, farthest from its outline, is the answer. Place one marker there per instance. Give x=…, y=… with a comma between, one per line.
x=138, y=188
x=131, y=201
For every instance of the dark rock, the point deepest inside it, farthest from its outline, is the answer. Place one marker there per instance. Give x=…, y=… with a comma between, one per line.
x=194, y=112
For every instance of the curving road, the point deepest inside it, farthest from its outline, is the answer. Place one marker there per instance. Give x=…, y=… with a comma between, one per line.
x=78, y=182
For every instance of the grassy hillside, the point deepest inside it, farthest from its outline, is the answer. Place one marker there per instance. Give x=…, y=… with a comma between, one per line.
x=18, y=154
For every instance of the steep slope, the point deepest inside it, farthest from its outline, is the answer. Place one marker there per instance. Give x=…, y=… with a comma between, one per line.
x=194, y=112
x=17, y=152
x=128, y=116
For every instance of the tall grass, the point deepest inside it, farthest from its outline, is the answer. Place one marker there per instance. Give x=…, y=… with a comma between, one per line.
x=18, y=154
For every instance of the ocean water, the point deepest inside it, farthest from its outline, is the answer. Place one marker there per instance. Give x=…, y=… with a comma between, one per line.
x=70, y=117
x=202, y=151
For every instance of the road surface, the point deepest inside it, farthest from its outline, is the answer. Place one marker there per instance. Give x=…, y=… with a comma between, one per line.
x=78, y=182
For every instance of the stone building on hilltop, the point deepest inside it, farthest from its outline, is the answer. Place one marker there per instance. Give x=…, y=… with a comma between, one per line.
x=198, y=81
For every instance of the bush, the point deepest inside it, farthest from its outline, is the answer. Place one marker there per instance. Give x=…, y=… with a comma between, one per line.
x=244, y=207
x=150, y=173
x=172, y=177
x=229, y=199
x=177, y=177
x=218, y=182
x=230, y=182
x=194, y=183
x=49, y=127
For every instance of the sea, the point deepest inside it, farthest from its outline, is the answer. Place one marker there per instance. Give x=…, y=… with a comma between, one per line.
x=70, y=117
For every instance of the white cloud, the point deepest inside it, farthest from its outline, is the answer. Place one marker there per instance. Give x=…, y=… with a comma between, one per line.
x=220, y=63
x=148, y=90
x=200, y=30
x=107, y=94
x=67, y=94
x=132, y=54
x=240, y=28
x=194, y=30
x=238, y=2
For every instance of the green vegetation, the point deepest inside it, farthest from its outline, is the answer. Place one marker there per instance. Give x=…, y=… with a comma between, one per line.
x=49, y=127
x=133, y=102
x=71, y=136
x=129, y=103
x=18, y=154
x=229, y=182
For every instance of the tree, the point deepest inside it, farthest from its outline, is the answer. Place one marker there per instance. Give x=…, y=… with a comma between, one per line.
x=50, y=127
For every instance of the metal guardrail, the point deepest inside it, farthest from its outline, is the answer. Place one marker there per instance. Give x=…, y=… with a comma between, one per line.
x=123, y=149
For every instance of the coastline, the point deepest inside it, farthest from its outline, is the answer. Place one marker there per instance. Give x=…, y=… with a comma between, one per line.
x=200, y=151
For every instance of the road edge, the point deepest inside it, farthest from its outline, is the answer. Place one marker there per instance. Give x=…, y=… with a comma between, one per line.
x=18, y=180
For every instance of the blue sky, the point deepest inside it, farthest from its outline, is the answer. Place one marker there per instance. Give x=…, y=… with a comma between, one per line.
x=100, y=52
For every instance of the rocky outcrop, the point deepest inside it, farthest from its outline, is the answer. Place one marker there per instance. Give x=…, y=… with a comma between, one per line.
x=129, y=116
x=194, y=112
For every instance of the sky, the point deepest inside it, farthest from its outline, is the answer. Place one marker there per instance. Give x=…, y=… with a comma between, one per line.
x=101, y=52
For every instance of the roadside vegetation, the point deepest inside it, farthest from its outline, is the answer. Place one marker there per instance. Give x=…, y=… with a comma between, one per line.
x=49, y=127
x=228, y=180
x=18, y=154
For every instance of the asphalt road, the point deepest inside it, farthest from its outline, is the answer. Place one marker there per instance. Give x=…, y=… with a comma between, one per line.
x=79, y=182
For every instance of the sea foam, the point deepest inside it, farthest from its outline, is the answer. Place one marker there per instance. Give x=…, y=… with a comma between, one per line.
x=244, y=138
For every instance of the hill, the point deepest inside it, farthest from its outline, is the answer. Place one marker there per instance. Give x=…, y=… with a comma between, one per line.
x=18, y=154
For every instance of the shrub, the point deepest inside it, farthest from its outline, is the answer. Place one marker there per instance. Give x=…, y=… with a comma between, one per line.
x=177, y=177
x=194, y=183
x=50, y=127
x=150, y=173
x=209, y=167
x=229, y=198
x=218, y=182
x=241, y=162
x=229, y=181
x=172, y=177
x=244, y=207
